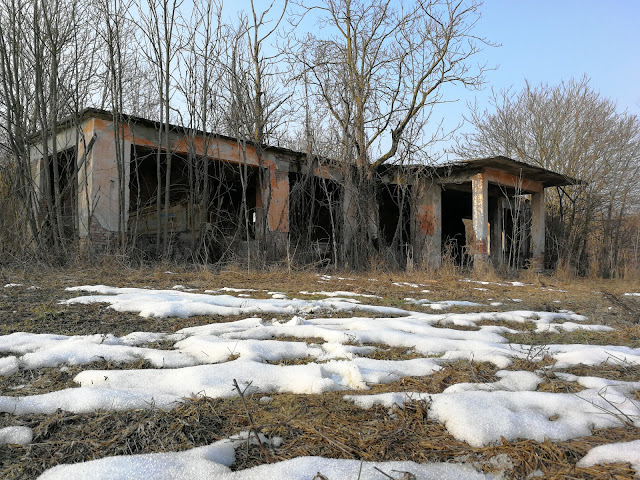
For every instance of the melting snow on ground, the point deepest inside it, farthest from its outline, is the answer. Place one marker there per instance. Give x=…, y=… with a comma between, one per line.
x=212, y=462
x=205, y=359
x=614, y=453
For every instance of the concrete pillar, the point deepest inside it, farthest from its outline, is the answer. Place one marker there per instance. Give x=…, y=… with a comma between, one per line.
x=427, y=227
x=495, y=232
x=480, y=218
x=278, y=210
x=537, y=230
x=98, y=195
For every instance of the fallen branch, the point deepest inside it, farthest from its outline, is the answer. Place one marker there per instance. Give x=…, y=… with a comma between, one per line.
x=253, y=429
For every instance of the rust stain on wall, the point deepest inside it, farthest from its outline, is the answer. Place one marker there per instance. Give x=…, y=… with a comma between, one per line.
x=278, y=215
x=426, y=220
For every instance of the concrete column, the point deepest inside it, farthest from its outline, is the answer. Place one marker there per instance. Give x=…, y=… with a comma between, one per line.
x=427, y=227
x=278, y=210
x=537, y=230
x=496, y=232
x=98, y=196
x=84, y=185
x=480, y=218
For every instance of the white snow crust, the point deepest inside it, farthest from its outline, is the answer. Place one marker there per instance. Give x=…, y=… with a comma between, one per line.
x=613, y=453
x=206, y=359
x=211, y=462
x=16, y=435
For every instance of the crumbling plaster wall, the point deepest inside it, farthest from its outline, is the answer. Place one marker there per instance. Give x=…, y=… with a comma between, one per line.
x=103, y=184
x=427, y=223
x=428, y=215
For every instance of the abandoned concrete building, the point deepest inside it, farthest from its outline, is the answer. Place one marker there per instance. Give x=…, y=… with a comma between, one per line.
x=489, y=209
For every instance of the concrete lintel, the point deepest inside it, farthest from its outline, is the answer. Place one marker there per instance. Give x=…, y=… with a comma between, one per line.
x=460, y=177
x=520, y=184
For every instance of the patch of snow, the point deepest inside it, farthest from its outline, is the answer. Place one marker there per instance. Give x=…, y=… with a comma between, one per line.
x=44, y=350
x=510, y=381
x=12, y=285
x=130, y=389
x=621, y=452
x=340, y=293
x=576, y=354
x=172, y=303
x=483, y=418
x=207, y=462
x=570, y=327
x=507, y=284
x=230, y=289
x=632, y=294
x=443, y=304
x=9, y=365
x=212, y=462
x=406, y=284
x=16, y=435
x=330, y=277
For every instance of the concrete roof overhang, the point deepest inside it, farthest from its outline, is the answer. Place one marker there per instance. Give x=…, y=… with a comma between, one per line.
x=451, y=172
x=548, y=178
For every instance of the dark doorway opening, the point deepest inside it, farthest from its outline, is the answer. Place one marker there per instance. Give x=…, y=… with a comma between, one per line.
x=213, y=212
x=394, y=208
x=456, y=209
x=67, y=187
x=314, y=213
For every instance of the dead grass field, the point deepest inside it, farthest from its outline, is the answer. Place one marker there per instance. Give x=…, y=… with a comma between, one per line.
x=324, y=425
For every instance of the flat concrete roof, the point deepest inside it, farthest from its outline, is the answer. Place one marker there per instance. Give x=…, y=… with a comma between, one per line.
x=548, y=178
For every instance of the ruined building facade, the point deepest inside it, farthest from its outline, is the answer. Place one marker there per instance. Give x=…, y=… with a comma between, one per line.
x=489, y=209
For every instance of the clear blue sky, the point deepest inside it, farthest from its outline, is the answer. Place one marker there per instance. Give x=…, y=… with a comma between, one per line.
x=550, y=41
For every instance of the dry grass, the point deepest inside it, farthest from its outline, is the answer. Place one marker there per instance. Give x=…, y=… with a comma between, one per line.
x=324, y=425
x=310, y=425
x=44, y=380
x=621, y=371
x=461, y=371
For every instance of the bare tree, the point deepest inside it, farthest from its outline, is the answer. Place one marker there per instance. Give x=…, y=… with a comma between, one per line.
x=158, y=22
x=258, y=95
x=199, y=85
x=114, y=33
x=16, y=109
x=571, y=129
x=379, y=70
